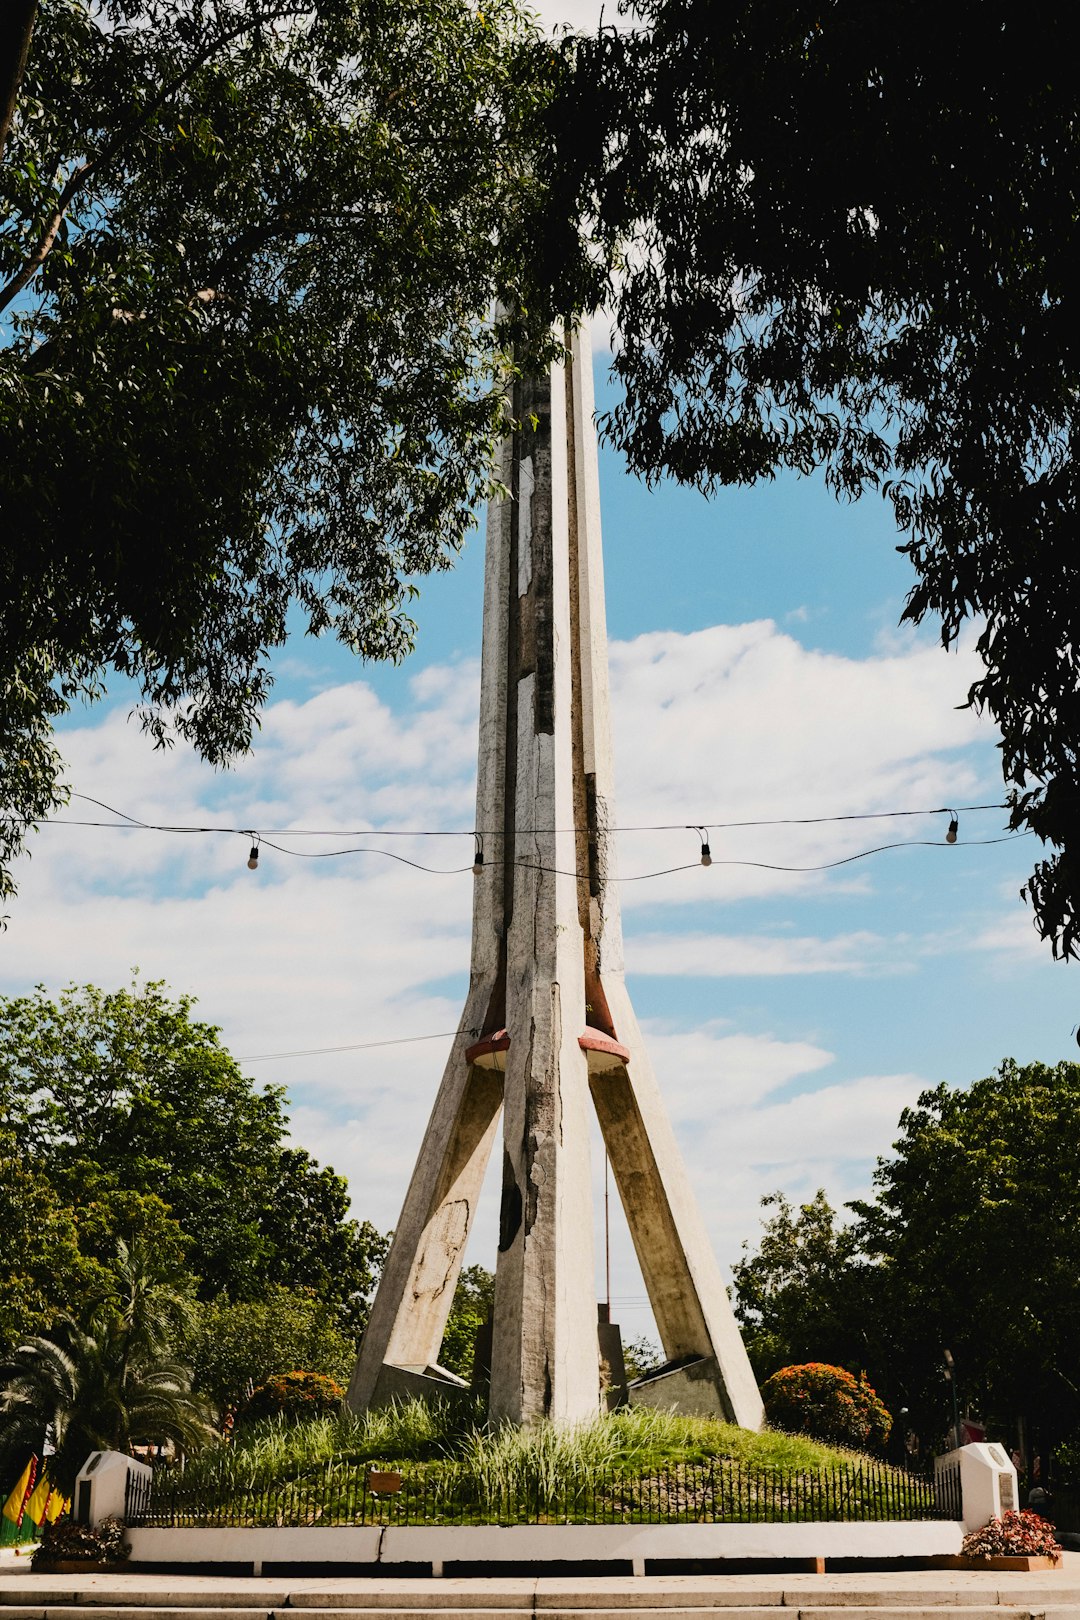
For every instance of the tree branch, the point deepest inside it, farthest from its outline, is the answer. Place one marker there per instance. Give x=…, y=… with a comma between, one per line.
x=19, y=27
x=80, y=176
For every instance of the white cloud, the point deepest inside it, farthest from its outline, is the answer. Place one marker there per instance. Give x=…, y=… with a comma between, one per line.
x=742, y=722
x=1012, y=936
x=718, y=956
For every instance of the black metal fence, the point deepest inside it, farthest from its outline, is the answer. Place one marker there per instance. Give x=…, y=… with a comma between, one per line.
x=714, y=1492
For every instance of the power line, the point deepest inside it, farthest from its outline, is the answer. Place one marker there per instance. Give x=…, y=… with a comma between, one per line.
x=357, y=1046
x=135, y=823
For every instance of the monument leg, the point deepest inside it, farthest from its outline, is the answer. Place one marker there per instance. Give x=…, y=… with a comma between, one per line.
x=682, y=1279
x=416, y=1290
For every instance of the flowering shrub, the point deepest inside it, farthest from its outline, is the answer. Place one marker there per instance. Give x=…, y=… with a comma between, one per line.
x=1013, y=1535
x=295, y=1395
x=68, y=1542
x=827, y=1403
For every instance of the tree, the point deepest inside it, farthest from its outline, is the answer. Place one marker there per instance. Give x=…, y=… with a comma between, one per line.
x=474, y=1300
x=844, y=237
x=797, y=1299
x=44, y=1267
x=314, y=1243
x=248, y=363
x=104, y=1386
x=143, y=1123
x=235, y=1347
x=975, y=1232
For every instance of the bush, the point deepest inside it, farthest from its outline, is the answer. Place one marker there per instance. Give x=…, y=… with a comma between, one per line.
x=294, y=1395
x=827, y=1403
x=68, y=1542
x=1014, y=1535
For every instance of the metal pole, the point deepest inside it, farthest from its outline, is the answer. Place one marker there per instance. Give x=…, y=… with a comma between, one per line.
x=950, y=1374
x=607, y=1239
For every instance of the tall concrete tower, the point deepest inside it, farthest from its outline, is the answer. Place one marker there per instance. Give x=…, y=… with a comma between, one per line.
x=548, y=1029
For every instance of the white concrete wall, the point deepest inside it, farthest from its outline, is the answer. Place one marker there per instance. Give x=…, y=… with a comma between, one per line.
x=107, y=1473
x=988, y=1483
x=439, y=1545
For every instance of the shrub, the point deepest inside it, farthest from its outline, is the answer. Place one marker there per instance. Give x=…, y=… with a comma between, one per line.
x=295, y=1395
x=1014, y=1535
x=827, y=1403
x=68, y=1542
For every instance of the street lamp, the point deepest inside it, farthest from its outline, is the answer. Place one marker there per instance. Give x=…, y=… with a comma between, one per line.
x=950, y=1374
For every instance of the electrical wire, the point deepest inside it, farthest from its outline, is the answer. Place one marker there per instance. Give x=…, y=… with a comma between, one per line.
x=770, y=866
x=470, y=832
x=357, y=1046
x=332, y=854
x=134, y=823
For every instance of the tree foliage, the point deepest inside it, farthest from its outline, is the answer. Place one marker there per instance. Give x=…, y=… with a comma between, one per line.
x=975, y=1228
x=43, y=1262
x=844, y=238
x=969, y=1244
x=248, y=363
x=796, y=1298
x=144, y=1126
x=105, y=1385
x=236, y=1347
x=474, y=1300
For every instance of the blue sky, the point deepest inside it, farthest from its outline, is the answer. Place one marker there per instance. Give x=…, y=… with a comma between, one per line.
x=757, y=672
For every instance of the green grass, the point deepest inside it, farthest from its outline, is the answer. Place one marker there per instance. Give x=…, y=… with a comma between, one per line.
x=633, y=1466
x=635, y=1441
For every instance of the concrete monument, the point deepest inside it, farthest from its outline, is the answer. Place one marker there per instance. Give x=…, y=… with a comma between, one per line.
x=548, y=1029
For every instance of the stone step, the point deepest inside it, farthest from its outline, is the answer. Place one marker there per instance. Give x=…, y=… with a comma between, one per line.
x=691, y=1601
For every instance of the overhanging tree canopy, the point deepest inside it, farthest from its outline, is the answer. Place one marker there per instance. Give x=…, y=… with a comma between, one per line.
x=846, y=237
x=248, y=258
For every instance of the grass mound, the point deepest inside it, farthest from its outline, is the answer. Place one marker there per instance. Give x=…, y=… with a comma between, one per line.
x=634, y=1466
x=636, y=1441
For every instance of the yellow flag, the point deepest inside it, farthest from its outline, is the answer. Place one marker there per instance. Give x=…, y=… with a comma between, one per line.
x=58, y=1504
x=39, y=1500
x=13, y=1507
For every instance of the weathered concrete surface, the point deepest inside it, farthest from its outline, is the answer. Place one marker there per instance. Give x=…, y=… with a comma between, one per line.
x=545, y=1358
x=547, y=965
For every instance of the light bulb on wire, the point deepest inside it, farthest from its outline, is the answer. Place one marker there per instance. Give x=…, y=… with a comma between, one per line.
x=478, y=857
x=954, y=827
x=253, y=858
x=706, y=852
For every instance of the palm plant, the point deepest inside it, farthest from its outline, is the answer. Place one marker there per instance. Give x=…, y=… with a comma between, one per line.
x=103, y=1386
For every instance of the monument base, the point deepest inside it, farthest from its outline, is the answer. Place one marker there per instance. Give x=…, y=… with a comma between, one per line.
x=693, y=1388
x=430, y=1383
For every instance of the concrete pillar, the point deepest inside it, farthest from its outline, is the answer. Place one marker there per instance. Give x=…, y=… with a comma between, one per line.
x=545, y=1358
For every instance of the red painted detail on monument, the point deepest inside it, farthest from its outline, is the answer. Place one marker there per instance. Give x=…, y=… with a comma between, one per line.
x=594, y=1041
x=487, y=1045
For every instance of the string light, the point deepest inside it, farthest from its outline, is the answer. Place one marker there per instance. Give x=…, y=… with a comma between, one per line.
x=706, y=858
x=456, y=832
